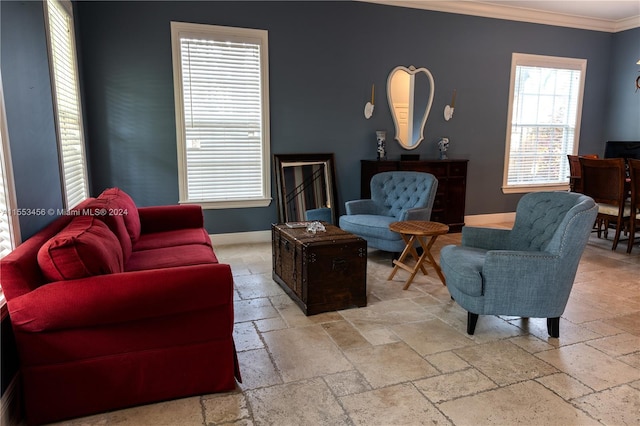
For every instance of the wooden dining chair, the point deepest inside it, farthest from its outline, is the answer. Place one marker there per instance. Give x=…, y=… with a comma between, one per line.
x=575, y=178
x=634, y=222
x=604, y=181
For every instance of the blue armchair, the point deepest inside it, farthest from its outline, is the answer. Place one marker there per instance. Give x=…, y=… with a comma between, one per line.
x=395, y=196
x=527, y=271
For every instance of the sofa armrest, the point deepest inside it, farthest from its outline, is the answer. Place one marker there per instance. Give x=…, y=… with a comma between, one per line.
x=122, y=297
x=170, y=218
x=485, y=238
x=361, y=207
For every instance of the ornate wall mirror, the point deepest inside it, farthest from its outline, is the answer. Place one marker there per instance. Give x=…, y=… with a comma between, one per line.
x=306, y=186
x=410, y=94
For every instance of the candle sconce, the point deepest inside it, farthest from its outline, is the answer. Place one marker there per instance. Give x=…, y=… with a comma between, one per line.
x=448, y=109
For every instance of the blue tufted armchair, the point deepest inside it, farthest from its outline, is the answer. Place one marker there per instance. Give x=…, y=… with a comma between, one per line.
x=395, y=196
x=527, y=271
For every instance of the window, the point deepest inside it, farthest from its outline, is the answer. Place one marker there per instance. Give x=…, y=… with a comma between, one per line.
x=9, y=227
x=545, y=105
x=222, y=116
x=66, y=95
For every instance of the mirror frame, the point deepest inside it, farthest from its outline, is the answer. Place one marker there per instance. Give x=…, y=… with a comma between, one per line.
x=411, y=71
x=282, y=161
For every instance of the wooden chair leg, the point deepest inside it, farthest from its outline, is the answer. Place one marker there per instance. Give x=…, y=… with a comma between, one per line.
x=553, y=327
x=472, y=320
x=616, y=236
x=632, y=235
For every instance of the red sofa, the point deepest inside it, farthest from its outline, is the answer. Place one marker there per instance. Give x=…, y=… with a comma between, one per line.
x=114, y=306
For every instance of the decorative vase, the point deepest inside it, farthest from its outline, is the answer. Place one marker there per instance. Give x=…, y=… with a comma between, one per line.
x=443, y=146
x=381, y=136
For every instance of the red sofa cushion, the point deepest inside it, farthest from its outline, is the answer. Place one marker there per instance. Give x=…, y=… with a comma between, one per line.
x=178, y=237
x=170, y=257
x=84, y=248
x=108, y=212
x=128, y=209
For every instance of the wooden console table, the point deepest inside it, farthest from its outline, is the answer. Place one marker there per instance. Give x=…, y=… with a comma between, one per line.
x=448, y=207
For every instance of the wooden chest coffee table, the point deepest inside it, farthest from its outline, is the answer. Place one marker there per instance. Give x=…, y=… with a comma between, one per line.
x=321, y=272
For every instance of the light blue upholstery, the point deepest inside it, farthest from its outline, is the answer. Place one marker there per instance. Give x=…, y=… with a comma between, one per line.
x=527, y=271
x=395, y=196
x=322, y=214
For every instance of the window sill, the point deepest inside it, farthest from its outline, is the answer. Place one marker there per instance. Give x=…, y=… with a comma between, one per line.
x=534, y=188
x=235, y=204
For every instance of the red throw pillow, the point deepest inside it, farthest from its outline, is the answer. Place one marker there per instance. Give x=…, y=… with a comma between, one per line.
x=107, y=210
x=84, y=248
x=127, y=208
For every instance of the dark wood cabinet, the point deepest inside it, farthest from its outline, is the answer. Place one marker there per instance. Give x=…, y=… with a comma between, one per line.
x=448, y=206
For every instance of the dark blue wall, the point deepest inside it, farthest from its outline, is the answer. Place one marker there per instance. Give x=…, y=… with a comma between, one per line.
x=324, y=57
x=624, y=99
x=29, y=105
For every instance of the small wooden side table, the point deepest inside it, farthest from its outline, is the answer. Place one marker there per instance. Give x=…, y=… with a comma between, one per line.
x=412, y=230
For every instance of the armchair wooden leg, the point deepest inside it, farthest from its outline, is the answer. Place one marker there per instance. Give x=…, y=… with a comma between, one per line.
x=553, y=327
x=472, y=320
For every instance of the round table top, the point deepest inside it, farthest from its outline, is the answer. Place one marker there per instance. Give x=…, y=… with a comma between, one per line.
x=419, y=227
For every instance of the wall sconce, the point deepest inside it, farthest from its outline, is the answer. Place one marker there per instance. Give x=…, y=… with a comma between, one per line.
x=448, y=109
x=368, y=108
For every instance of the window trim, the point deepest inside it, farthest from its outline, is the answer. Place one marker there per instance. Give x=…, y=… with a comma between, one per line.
x=10, y=190
x=68, y=7
x=524, y=59
x=181, y=28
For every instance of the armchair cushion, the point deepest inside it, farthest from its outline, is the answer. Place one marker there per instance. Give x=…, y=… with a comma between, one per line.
x=84, y=248
x=371, y=225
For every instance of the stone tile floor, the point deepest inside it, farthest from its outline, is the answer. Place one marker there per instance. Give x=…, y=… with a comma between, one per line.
x=406, y=359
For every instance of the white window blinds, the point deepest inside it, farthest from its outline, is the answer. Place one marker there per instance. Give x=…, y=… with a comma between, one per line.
x=67, y=101
x=9, y=226
x=544, y=122
x=6, y=240
x=221, y=114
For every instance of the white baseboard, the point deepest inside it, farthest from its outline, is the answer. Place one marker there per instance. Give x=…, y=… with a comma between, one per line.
x=9, y=404
x=241, y=238
x=265, y=236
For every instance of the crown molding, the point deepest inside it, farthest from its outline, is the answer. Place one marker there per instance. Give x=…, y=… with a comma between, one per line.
x=516, y=14
x=626, y=24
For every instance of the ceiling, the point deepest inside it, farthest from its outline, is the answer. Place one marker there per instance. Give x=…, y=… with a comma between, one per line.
x=601, y=15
